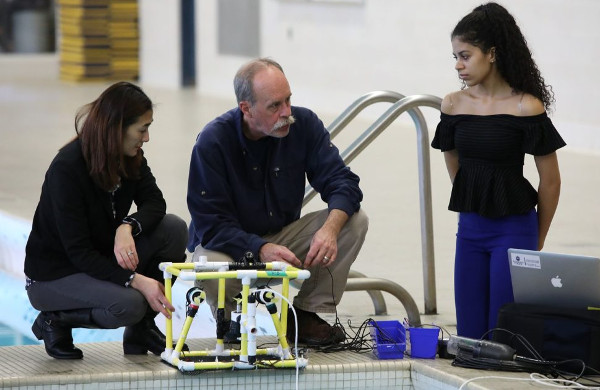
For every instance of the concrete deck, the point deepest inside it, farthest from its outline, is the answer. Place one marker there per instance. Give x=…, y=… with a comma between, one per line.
x=105, y=367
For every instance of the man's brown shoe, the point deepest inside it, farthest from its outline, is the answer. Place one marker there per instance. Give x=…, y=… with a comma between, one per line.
x=312, y=329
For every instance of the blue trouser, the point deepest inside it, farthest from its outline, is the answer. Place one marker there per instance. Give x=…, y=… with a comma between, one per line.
x=482, y=281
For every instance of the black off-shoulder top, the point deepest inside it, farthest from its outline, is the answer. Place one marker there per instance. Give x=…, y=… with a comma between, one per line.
x=491, y=153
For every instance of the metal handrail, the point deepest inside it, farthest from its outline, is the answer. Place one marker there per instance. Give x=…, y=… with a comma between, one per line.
x=360, y=104
x=401, y=105
x=369, y=284
x=375, y=294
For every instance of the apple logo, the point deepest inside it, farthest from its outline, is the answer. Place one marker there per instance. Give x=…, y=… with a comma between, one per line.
x=556, y=281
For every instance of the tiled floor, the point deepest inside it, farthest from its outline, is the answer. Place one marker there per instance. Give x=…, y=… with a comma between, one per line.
x=105, y=367
x=36, y=119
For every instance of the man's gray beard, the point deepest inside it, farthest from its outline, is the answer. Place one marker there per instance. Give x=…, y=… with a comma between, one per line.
x=283, y=122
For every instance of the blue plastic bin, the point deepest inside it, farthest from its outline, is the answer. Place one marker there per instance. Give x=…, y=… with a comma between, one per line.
x=389, y=338
x=423, y=342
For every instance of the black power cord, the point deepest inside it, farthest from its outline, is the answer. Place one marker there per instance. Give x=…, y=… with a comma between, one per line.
x=358, y=339
x=555, y=369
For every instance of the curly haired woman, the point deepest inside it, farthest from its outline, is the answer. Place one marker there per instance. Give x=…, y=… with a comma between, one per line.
x=484, y=131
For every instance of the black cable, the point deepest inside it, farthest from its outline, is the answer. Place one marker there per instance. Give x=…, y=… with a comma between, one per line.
x=360, y=341
x=465, y=359
x=514, y=338
x=517, y=338
x=554, y=369
x=443, y=330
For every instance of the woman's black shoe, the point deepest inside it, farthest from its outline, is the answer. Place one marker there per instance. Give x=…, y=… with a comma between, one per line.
x=145, y=336
x=56, y=335
x=142, y=337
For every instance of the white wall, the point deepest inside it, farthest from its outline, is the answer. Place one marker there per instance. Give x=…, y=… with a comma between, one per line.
x=333, y=53
x=160, y=43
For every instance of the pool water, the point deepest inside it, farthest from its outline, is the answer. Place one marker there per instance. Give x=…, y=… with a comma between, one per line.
x=9, y=336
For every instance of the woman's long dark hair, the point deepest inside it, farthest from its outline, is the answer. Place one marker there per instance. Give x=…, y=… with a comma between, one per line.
x=490, y=25
x=101, y=125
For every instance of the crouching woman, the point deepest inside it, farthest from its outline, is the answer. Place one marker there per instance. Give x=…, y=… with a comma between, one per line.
x=89, y=262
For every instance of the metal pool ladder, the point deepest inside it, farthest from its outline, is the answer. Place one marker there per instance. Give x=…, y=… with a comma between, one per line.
x=400, y=104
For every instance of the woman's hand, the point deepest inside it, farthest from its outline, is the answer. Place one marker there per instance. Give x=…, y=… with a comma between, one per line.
x=154, y=292
x=124, y=248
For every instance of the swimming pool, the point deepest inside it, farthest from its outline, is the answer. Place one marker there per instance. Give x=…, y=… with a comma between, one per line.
x=9, y=336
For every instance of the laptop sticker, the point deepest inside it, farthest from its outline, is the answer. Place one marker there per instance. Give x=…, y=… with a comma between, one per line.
x=525, y=260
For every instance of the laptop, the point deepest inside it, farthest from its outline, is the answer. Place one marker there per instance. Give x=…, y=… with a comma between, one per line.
x=554, y=279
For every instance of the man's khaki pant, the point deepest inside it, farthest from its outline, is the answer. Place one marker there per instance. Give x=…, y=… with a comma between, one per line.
x=323, y=290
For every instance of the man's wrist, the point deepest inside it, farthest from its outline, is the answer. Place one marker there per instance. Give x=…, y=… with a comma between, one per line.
x=259, y=252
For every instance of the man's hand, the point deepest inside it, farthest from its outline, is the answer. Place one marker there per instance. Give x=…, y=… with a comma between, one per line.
x=323, y=246
x=124, y=248
x=272, y=252
x=154, y=292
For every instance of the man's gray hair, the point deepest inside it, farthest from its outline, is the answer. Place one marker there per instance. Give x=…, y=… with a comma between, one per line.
x=242, y=82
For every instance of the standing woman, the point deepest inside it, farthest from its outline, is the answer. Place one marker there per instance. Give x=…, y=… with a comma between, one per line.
x=89, y=263
x=484, y=132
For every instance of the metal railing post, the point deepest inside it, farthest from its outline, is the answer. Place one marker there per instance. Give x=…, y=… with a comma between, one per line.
x=400, y=104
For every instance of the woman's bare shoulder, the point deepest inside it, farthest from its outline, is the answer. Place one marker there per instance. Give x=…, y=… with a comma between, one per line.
x=452, y=102
x=530, y=105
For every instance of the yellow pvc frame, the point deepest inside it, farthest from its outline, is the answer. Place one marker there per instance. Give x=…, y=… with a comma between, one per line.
x=206, y=271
